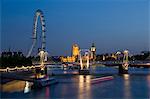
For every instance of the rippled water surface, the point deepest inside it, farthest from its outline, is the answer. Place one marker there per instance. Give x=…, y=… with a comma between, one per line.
x=136, y=84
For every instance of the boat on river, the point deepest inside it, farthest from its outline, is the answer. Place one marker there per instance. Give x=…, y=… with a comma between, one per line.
x=101, y=79
x=42, y=82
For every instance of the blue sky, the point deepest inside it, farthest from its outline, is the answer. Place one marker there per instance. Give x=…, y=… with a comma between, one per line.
x=111, y=24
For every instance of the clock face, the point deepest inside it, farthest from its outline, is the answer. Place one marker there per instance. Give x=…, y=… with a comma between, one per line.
x=93, y=49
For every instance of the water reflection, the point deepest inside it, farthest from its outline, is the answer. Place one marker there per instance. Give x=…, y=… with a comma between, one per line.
x=84, y=86
x=17, y=86
x=126, y=77
x=27, y=87
x=47, y=93
x=14, y=86
x=148, y=82
x=135, y=86
x=127, y=87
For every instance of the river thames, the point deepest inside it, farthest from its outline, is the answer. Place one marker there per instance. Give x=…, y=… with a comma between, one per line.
x=135, y=85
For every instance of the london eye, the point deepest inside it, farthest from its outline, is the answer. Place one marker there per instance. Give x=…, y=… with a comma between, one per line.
x=38, y=14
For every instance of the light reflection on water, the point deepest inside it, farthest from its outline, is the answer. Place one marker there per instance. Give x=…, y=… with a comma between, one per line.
x=148, y=82
x=84, y=86
x=16, y=86
x=27, y=87
x=127, y=88
x=47, y=93
x=80, y=87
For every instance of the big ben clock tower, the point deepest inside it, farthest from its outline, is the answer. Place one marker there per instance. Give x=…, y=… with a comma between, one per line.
x=93, y=52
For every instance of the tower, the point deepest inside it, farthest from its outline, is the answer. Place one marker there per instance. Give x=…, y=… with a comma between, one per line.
x=84, y=57
x=93, y=52
x=123, y=69
x=75, y=51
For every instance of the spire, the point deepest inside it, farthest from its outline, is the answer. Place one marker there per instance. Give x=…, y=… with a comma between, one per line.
x=93, y=45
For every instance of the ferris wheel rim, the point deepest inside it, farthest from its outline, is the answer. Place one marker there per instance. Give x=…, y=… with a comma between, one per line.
x=38, y=14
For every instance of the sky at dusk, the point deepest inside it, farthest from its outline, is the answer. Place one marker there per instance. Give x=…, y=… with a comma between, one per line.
x=111, y=24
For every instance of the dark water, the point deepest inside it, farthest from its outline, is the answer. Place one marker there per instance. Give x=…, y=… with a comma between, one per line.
x=134, y=85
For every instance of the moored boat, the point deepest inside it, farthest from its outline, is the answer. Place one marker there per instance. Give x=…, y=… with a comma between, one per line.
x=42, y=82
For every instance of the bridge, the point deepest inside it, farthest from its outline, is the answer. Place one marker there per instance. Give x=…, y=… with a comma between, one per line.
x=145, y=65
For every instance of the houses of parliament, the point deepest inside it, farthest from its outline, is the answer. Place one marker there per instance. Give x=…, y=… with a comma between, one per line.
x=76, y=52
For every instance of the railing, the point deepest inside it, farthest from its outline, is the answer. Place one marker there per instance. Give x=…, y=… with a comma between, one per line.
x=8, y=69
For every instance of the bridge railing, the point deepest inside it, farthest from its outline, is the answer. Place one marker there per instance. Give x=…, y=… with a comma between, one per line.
x=8, y=69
